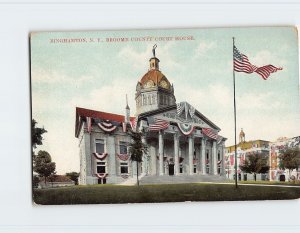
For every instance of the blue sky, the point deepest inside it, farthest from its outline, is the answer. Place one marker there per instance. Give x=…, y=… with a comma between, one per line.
x=99, y=75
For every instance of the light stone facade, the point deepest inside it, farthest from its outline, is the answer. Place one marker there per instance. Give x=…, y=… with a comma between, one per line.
x=171, y=150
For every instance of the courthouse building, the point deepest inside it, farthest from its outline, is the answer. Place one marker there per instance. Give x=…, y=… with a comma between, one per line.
x=181, y=140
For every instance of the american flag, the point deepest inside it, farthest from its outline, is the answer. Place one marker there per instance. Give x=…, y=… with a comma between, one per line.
x=210, y=133
x=180, y=107
x=242, y=64
x=158, y=125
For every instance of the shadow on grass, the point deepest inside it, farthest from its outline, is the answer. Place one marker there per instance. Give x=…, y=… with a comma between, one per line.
x=108, y=194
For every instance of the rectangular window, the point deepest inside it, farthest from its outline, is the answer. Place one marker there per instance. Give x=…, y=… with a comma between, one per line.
x=207, y=154
x=99, y=146
x=195, y=168
x=101, y=167
x=123, y=148
x=124, y=168
x=219, y=156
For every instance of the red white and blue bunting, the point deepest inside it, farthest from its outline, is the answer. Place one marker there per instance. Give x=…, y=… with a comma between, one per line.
x=123, y=157
x=100, y=156
x=185, y=128
x=107, y=126
x=101, y=175
x=124, y=176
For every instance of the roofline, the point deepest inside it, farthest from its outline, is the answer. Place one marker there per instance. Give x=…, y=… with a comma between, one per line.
x=160, y=110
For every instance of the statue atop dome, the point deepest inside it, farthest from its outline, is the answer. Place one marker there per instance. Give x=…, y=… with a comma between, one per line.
x=153, y=49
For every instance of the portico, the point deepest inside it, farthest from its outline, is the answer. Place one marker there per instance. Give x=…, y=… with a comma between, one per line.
x=179, y=154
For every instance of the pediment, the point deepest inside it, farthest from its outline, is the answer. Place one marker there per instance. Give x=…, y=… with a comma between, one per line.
x=182, y=112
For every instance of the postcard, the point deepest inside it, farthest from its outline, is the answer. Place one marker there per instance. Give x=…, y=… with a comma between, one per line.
x=174, y=115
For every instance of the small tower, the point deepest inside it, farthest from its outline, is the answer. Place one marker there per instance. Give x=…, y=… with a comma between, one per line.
x=242, y=136
x=127, y=112
x=154, y=90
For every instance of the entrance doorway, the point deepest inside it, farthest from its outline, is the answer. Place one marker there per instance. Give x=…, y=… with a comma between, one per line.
x=171, y=169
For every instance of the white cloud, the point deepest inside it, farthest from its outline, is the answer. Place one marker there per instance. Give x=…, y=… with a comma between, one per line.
x=203, y=48
x=108, y=98
x=54, y=77
x=265, y=57
x=139, y=59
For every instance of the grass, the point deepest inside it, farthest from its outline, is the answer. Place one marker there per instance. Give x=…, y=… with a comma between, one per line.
x=107, y=194
x=292, y=183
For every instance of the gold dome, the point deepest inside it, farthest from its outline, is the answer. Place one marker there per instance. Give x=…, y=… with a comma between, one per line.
x=155, y=78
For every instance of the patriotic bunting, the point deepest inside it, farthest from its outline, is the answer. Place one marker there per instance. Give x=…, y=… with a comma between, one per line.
x=125, y=176
x=185, y=128
x=242, y=64
x=100, y=156
x=158, y=125
x=195, y=161
x=219, y=162
x=123, y=157
x=101, y=175
x=107, y=126
x=210, y=133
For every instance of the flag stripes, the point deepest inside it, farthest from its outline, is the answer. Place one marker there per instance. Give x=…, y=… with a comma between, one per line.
x=210, y=133
x=242, y=64
x=265, y=71
x=159, y=125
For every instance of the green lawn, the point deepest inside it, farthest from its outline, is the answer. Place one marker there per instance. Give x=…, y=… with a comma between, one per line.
x=105, y=194
x=292, y=183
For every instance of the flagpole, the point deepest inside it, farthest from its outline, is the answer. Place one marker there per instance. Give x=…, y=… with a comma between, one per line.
x=234, y=105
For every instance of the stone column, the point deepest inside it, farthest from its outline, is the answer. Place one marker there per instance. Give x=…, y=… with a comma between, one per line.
x=203, y=159
x=160, y=152
x=176, y=154
x=214, y=159
x=191, y=154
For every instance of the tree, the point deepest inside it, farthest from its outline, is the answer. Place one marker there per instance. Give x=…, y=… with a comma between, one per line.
x=36, y=134
x=290, y=159
x=36, y=139
x=73, y=176
x=136, y=150
x=255, y=164
x=43, y=165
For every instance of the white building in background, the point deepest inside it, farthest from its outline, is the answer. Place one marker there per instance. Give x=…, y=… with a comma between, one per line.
x=180, y=139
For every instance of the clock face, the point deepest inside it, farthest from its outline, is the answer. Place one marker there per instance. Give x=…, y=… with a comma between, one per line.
x=149, y=84
x=164, y=84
